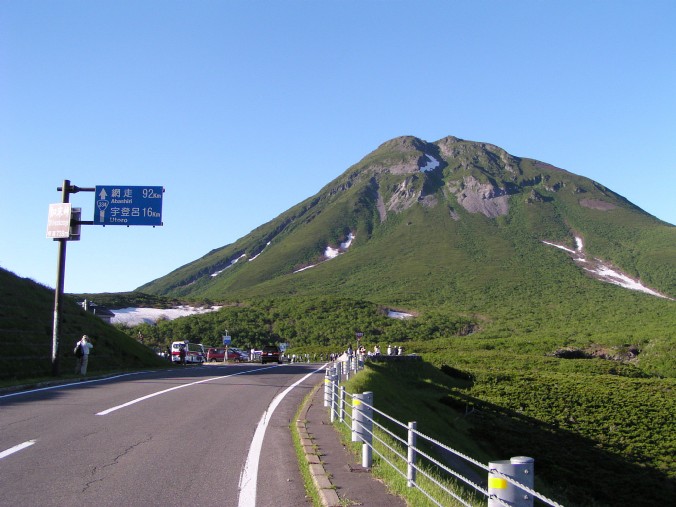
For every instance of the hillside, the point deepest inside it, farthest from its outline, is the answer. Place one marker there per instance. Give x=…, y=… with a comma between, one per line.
x=26, y=319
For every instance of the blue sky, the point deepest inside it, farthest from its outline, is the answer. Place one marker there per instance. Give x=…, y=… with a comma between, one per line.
x=242, y=109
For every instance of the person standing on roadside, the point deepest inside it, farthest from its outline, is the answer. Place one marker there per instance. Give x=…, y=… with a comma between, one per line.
x=82, y=349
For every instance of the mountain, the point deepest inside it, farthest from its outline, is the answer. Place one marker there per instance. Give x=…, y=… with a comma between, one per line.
x=417, y=224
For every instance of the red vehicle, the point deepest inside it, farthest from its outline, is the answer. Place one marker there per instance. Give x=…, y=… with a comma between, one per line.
x=218, y=354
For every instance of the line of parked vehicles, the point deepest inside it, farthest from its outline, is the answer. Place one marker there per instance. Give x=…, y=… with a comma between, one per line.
x=184, y=351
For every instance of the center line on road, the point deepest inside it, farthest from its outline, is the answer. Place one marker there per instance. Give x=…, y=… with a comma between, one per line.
x=16, y=448
x=152, y=395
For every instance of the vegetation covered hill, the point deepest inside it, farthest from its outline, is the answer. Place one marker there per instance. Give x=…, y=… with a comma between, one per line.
x=26, y=323
x=432, y=223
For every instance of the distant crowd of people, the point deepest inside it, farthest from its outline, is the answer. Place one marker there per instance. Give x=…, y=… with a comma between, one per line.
x=362, y=352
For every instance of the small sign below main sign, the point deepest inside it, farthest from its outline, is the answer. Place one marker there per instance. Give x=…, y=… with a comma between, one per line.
x=58, y=220
x=128, y=205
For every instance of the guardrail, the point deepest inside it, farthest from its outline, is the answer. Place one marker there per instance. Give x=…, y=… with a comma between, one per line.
x=510, y=482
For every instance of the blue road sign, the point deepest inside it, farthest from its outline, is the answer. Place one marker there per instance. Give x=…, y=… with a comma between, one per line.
x=126, y=205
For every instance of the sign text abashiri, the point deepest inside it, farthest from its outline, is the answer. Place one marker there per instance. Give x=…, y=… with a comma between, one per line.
x=128, y=205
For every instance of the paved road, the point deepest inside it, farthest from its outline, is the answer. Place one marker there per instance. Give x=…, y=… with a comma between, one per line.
x=161, y=438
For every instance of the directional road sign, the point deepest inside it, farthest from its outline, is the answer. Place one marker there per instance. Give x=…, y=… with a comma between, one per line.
x=127, y=205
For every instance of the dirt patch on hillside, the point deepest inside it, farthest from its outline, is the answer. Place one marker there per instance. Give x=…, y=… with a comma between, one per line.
x=597, y=204
x=622, y=354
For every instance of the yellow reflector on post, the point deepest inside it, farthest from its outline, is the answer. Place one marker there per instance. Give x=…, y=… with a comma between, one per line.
x=497, y=483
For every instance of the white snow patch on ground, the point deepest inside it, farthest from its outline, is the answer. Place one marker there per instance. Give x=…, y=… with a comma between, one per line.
x=559, y=246
x=255, y=256
x=306, y=267
x=611, y=276
x=605, y=273
x=432, y=163
x=332, y=253
x=232, y=263
x=398, y=315
x=135, y=316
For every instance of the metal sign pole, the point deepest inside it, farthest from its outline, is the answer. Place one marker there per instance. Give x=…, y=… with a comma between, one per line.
x=58, y=290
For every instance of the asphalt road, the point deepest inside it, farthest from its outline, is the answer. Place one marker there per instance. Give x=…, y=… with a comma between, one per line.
x=156, y=439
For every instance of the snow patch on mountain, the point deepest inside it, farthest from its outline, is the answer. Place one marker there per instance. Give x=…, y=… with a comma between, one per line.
x=255, y=256
x=602, y=271
x=398, y=315
x=331, y=252
x=136, y=316
x=232, y=263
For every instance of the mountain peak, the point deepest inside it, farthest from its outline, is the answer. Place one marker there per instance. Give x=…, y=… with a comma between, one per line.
x=415, y=193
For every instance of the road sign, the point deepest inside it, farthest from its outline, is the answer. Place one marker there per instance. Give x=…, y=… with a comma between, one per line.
x=227, y=340
x=128, y=205
x=58, y=221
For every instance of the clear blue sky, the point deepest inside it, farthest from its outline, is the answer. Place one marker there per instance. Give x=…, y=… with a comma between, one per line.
x=241, y=109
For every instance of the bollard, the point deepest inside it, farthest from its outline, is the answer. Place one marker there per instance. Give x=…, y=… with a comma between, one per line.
x=362, y=425
x=410, y=474
x=519, y=468
x=327, y=387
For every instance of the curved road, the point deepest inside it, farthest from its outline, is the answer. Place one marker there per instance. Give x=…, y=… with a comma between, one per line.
x=175, y=437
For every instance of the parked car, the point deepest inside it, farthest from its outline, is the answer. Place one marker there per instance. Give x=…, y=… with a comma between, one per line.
x=244, y=355
x=271, y=354
x=218, y=353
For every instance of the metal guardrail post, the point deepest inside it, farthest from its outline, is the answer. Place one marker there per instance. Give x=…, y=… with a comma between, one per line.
x=362, y=425
x=519, y=468
x=412, y=440
x=342, y=404
x=334, y=397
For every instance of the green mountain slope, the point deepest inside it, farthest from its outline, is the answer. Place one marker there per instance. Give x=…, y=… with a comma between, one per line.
x=435, y=223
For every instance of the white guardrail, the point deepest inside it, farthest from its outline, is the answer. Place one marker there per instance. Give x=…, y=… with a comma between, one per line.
x=510, y=482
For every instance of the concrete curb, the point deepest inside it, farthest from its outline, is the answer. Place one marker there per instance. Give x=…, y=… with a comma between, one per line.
x=325, y=490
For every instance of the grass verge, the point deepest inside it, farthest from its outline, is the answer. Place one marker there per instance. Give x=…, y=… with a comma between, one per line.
x=303, y=465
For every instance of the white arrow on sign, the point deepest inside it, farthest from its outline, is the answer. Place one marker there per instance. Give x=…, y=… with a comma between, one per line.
x=103, y=194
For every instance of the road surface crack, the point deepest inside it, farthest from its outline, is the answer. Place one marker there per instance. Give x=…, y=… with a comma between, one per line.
x=97, y=470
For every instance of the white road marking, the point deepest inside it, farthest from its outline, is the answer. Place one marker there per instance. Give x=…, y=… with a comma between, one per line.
x=61, y=386
x=16, y=448
x=249, y=476
x=152, y=395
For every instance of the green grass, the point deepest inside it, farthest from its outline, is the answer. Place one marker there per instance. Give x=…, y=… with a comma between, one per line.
x=552, y=417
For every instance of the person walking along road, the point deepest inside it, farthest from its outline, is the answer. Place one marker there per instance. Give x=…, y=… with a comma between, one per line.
x=82, y=349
